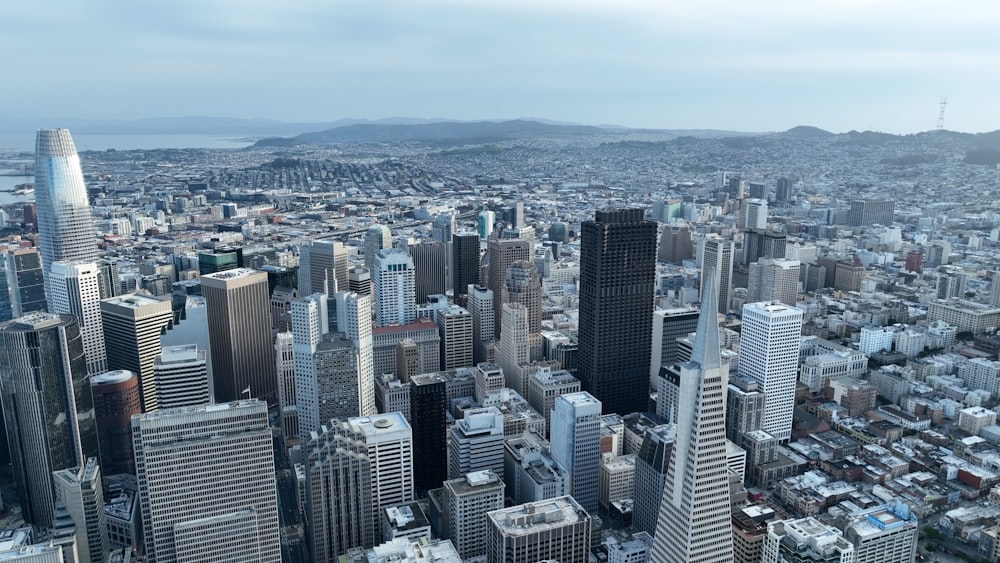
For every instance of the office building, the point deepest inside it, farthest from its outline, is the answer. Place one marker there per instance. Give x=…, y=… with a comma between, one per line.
x=464, y=262
x=749, y=531
x=717, y=256
x=883, y=534
x=429, y=397
x=514, y=348
x=47, y=406
x=181, y=375
x=455, y=327
x=556, y=529
x=675, y=244
x=576, y=438
x=388, y=441
x=26, y=281
x=378, y=237
x=755, y=213
x=240, y=335
x=359, y=280
x=354, y=313
x=617, y=286
x=501, y=253
x=405, y=521
x=650, y=474
x=773, y=279
x=207, y=483
x=480, y=305
x=75, y=290
x=805, y=539
x=220, y=260
x=868, y=212
x=475, y=443
x=769, y=355
x=530, y=472
x=545, y=384
x=81, y=491
x=133, y=324
x=322, y=267
x=407, y=360
x=423, y=332
x=116, y=400
x=668, y=326
x=284, y=363
x=466, y=503
x=395, y=288
x=430, y=264
x=762, y=243
x=522, y=285
x=65, y=225
x=484, y=223
x=338, y=495
x=616, y=479
x=695, y=512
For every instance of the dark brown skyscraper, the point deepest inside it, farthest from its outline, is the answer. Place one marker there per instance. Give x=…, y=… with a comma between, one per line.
x=116, y=399
x=617, y=285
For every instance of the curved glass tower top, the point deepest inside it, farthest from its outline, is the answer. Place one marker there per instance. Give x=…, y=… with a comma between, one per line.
x=65, y=226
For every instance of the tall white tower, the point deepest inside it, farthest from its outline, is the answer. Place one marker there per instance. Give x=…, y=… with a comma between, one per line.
x=309, y=324
x=395, y=288
x=354, y=319
x=769, y=355
x=694, y=523
x=576, y=443
x=75, y=289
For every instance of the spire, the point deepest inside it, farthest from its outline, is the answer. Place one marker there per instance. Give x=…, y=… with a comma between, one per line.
x=706, y=340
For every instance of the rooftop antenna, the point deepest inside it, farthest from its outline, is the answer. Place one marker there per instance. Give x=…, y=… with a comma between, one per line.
x=943, y=103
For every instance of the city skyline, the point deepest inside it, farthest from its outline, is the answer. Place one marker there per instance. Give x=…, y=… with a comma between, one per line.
x=717, y=65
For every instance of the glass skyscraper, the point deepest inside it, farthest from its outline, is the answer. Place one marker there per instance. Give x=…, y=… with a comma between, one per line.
x=65, y=226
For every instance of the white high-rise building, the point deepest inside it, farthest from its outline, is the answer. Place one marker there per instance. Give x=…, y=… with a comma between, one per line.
x=717, y=256
x=354, y=313
x=206, y=483
x=80, y=489
x=875, y=338
x=395, y=287
x=388, y=439
x=309, y=324
x=181, y=375
x=774, y=279
x=576, y=444
x=756, y=214
x=484, y=223
x=75, y=289
x=475, y=443
x=515, y=347
x=284, y=359
x=769, y=355
x=694, y=521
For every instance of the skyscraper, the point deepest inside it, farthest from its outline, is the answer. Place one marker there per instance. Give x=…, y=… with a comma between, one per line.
x=514, y=347
x=354, y=314
x=75, y=290
x=455, y=327
x=675, y=244
x=863, y=213
x=774, y=280
x=47, y=406
x=429, y=397
x=464, y=262
x=617, y=286
x=756, y=214
x=240, y=335
x=650, y=473
x=501, y=253
x=284, y=359
x=718, y=258
x=694, y=523
x=81, y=491
x=481, y=307
x=430, y=265
x=65, y=225
x=484, y=223
x=576, y=444
x=467, y=500
x=321, y=264
x=523, y=285
x=207, y=484
x=475, y=443
x=26, y=281
x=377, y=238
x=769, y=355
x=668, y=326
x=133, y=324
x=395, y=288
x=116, y=399
x=181, y=375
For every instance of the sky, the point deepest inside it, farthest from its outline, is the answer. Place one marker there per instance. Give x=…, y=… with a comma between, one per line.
x=743, y=65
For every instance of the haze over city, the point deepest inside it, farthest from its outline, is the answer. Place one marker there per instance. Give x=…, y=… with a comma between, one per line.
x=744, y=66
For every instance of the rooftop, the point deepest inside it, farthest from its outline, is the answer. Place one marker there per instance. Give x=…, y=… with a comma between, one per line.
x=538, y=516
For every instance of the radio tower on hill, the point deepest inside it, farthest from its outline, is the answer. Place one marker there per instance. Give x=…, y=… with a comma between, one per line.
x=943, y=103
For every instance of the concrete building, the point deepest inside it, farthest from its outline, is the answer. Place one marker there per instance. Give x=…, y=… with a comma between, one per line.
x=455, y=328
x=476, y=443
x=133, y=323
x=668, y=326
x=530, y=472
x=769, y=354
x=886, y=534
x=964, y=315
x=515, y=346
x=774, y=279
x=974, y=419
x=545, y=385
x=207, y=483
x=75, y=290
x=395, y=288
x=501, y=253
x=556, y=529
x=575, y=431
x=181, y=375
x=805, y=539
x=616, y=479
x=749, y=532
x=322, y=267
x=81, y=491
x=423, y=332
x=717, y=256
x=466, y=503
x=284, y=360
